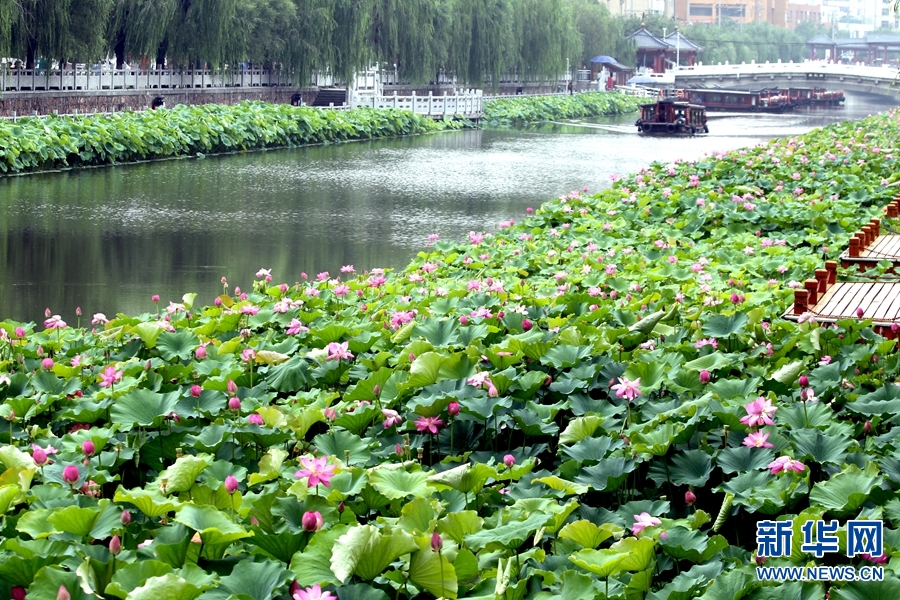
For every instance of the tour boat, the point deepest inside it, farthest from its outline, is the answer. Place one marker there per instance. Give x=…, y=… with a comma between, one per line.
x=768, y=100
x=672, y=114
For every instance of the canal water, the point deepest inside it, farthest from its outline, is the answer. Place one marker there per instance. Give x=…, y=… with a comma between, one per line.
x=108, y=239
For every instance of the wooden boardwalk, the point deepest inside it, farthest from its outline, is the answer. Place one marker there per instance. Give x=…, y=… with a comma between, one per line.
x=829, y=301
x=871, y=245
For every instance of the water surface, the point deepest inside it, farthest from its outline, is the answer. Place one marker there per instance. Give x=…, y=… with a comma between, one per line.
x=107, y=239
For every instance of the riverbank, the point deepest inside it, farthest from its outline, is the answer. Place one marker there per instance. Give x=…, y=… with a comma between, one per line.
x=51, y=143
x=520, y=110
x=549, y=391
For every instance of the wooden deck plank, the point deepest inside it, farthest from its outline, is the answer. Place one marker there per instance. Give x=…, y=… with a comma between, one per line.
x=881, y=302
x=893, y=310
x=832, y=298
x=851, y=299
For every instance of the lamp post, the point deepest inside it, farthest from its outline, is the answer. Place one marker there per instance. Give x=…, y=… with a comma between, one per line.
x=677, y=50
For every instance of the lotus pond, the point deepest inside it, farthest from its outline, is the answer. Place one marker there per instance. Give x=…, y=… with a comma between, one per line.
x=596, y=401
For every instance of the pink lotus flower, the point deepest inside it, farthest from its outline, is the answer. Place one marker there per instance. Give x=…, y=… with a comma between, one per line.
x=338, y=351
x=758, y=439
x=317, y=469
x=391, y=418
x=430, y=424
x=453, y=408
x=644, y=520
x=231, y=484
x=255, y=419
x=39, y=456
x=87, y=447
x=313, y=593
x=99, y=319
x=54, y=322
x=312, y=521
x=341, y=290
x=785, y=463
x=110, y=376
x=264, y=274
x=296, y=327
x=627, y=389
x=200, y=352
x=509, y=460
x=248, y=355
x=759, y=412
x=47, y=363
x=878, y=560
x=70, y=474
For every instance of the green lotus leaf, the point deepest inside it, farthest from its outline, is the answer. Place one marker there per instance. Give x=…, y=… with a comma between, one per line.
x=432, y=571
x=366, y=551
x=464, y=478
x=712, y=362
x=608, y=475
x=511, y=535
x=270, y=467
x=312, y=566
x=440, y=333
x=49, y=579
x=150, y=502
x=179, y=344
x=168, y=586
x=561, y=485
x=257, y=580
x=142, y=408
x=744, y=458
x=361, y=591
x=579, y=429
x=180, y=477
x=94, y=522
x=788, y=373
x=589, y=535
x=820, y=448
x=338, y=443
x=132, y=576
x=148, y=332
x=290, y=376
x=629, y=554
x=458, y=524
x=214, y=527
x=395, y=484
x=845, y=492
x=870, y=590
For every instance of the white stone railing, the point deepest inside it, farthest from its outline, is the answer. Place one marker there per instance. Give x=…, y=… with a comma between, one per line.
x=789, y=68
x=23, y=80
x=469, y=104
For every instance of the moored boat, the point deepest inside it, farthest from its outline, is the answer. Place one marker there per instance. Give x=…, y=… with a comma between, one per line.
x=767, y=100
x=672, y=115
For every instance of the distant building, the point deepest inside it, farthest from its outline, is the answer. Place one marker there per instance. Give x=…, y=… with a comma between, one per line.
x=628, y=8
x=872, y=49
x=659, y=54
x=742, y=11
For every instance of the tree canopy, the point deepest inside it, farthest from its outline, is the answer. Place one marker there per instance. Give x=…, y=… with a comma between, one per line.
x=478, y=40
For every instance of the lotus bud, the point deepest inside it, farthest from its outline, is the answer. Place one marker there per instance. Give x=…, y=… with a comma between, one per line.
x=859, y=312
x=867, y=427
x=803, y=381
x=255, y=419
x=125, y=518
x=20, y=333
x=330, y=413
x=760, y=560
x=39, y=456
x=284, y=288
x=453, y=408
x=895, y=327
x=509, y=460
x=237, y=290
x=341, y=507
x=527, y=325
x=231, y=484
x=312, y=521
x=704, y=376
x=217, y=301
x=464, y=320
x=689, y=498
x=295, y=587
x=376, y=391
x=47, y=363
x=398, y=448
x=47, y=312
x=437, y=542
x=17, y=593
x=88, y=448
x=254, y=521
x=874, y=358
x=232, y=387
x=148, y=365
x=70, y=474
x=735, y=299
x=196, y=390
x=115, y=545
x=63, y=593
x=234, y=403
x=412, y=357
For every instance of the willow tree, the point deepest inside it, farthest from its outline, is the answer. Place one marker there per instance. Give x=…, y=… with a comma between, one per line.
x=348, y=49
x=547, y=35
x=599, y=31
x=139, y=28
x=482, y=41
x=41, y=27
x=9, y=14
x=402, y=33
x=203, y=31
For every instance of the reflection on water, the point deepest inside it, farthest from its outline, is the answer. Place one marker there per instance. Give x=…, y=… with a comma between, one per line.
x=107, y=239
